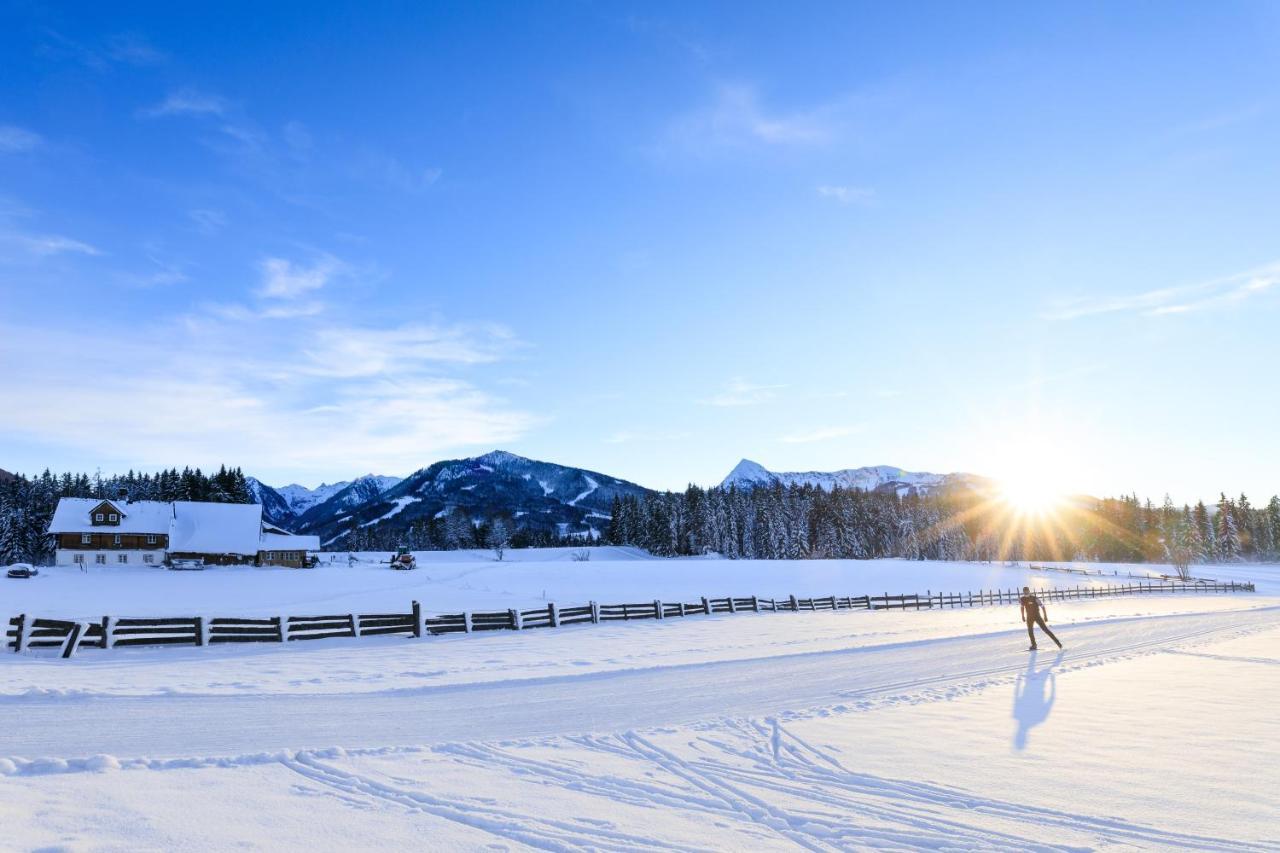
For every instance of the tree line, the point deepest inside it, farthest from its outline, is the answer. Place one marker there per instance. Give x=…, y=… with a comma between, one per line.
x=27, y=503
x=803, y=521
x=768, y=522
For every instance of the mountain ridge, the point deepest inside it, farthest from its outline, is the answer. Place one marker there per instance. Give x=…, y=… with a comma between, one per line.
x=871, y=478
x=541, y=497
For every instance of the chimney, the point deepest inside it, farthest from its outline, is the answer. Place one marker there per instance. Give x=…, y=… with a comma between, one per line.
x=123, y=495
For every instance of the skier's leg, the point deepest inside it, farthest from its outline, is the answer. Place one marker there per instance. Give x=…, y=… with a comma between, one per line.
x=1045, y=628
x=1031, y=633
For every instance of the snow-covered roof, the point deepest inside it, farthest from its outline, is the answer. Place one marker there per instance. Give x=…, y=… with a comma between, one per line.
x=72, y=516
x=215, y=528
x=289, y=542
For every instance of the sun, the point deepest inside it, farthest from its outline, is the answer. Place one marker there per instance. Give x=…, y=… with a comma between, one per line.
x=1029, y=494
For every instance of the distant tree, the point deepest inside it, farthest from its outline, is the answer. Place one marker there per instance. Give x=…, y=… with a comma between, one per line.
x=1179, y=544
x=498, y=538
x=1228, y=533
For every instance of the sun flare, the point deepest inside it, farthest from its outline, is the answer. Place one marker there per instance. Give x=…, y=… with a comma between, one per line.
x=1031, y=495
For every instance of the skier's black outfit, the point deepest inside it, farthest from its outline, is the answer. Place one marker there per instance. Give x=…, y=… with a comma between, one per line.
x=1033, y=614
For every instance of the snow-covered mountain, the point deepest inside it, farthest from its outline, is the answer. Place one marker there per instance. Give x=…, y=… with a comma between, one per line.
x=748, y=474
x=301, y=499
x=287, y=506
x=540, y=496
x=275, y=509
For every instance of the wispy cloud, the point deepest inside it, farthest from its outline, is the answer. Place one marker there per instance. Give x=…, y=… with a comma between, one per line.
x=134, y=49
x=285, y=279
x=848, y=194
x=188, y=102
x=163, y=271
x=740, y=392
x=352, y=352
x=807, y=436
x=45, y=245
x=737, y=117
x=1216, y=293
x=307, y=395
x=15, y=140
x=122, y=48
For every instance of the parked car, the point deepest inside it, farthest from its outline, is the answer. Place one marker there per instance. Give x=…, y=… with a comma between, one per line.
x=190, y=565
x=22, y=570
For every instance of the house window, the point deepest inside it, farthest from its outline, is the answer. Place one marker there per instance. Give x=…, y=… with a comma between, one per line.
x=100, y=559
x=116, y=539
x=122, y=558
x=86, y=538
x=148, y=558
x=113, y=517
x=97, y=516
x=78, y=558
x=151, y=539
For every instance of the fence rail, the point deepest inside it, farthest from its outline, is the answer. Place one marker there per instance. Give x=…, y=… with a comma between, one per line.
x=26, y=632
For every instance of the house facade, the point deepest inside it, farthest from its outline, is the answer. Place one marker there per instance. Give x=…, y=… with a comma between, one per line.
x=124, y=532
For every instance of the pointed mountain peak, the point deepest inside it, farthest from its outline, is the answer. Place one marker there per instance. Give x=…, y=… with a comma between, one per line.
x=747, y=471
x=500, y=457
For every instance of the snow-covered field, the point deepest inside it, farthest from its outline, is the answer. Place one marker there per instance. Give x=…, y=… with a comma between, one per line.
x=452, y=581
x=1155, y=728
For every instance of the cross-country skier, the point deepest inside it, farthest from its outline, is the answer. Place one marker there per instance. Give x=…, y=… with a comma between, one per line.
x=1034, y=613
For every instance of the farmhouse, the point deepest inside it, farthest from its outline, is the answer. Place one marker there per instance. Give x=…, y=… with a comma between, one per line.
x=125, y=532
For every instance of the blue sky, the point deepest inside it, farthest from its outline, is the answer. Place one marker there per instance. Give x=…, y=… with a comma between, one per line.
x=648, y=239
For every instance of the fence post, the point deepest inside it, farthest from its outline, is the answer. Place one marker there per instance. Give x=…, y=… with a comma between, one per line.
x=551, y=609
x=755, y=604
x=282, y=622
x=514, y=616
x=20, y=639
x=72, y=641
x=706, y=606
x=417, y=619
x=107, y=640
x=732, y=609
x=201, y=638
x=466, y=621
x=681, y=606
x=355, y=624
x=595, y=613
x=657, y=609
x=794, y=606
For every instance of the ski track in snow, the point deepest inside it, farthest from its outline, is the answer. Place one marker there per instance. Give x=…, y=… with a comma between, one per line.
x=592, y=485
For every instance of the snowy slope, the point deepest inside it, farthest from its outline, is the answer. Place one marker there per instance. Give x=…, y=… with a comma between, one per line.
x=748, y=474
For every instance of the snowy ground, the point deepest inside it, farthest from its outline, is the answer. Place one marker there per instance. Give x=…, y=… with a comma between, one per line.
x=452, y=581
x=1155, y=728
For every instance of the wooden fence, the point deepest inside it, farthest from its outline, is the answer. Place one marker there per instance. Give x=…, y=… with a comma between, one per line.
x=37, y=633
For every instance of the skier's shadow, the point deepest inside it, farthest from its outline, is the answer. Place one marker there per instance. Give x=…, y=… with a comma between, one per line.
x=1033, y=694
